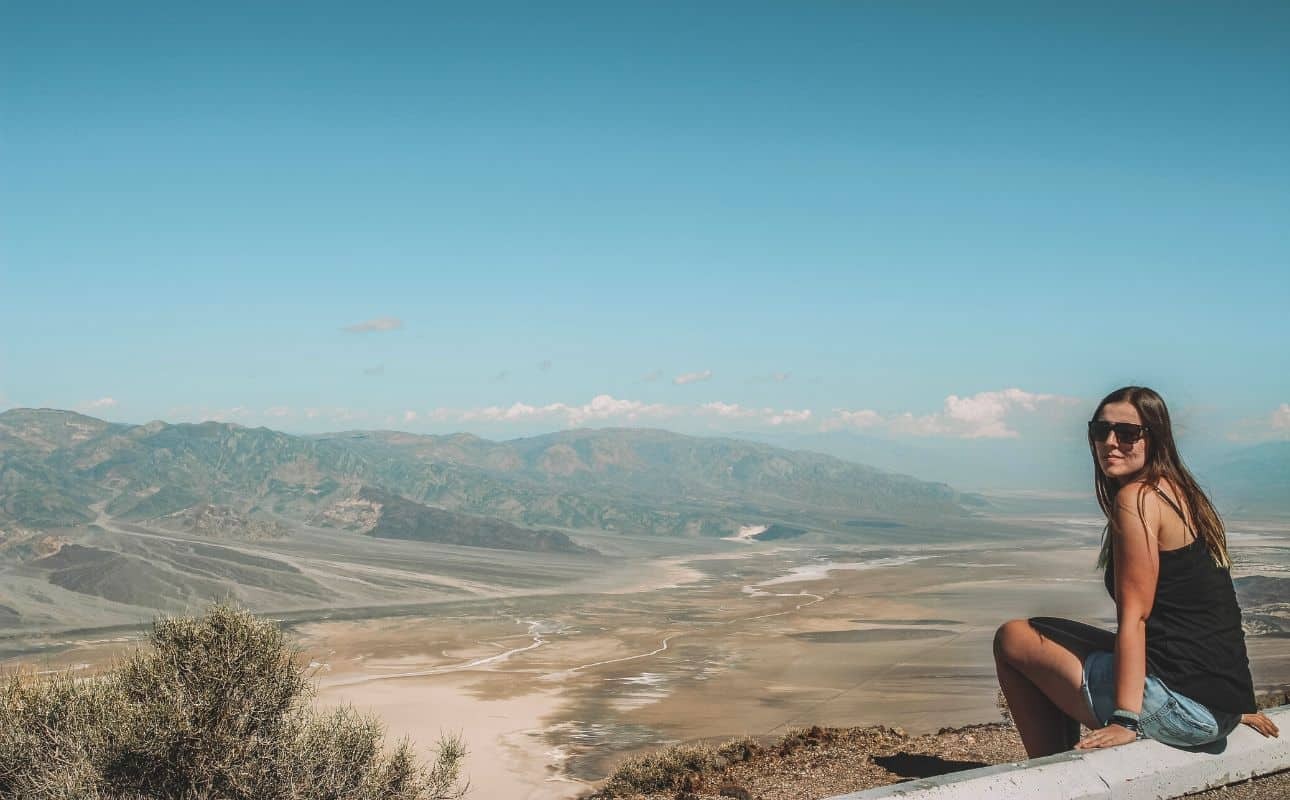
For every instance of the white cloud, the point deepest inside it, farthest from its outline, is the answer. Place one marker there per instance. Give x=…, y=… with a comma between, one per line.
x=1280, y=420
x=692, y=377
x=982, y=415
x=514, y=413
x=768, y=416
x=375, y=325
x=335, y=414
x=1275, y=425
x=604, y=407
x=728, y=410
x=226, y=414
x=601, y=407
x=985, y=415
x=206, y=414
x=102, y=402
x=409, y=416
x=774, y=377
x=927, y=425
x=844, y=418
x=277, y=412
x=790, y=417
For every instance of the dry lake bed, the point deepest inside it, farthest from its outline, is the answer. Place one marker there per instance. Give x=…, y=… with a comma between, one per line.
x=549, y=691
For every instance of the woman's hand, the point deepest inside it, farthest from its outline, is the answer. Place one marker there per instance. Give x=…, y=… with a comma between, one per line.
x=1261, y=723
x=1110, y=736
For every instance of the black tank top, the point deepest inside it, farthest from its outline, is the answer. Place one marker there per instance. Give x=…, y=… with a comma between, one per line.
x=1195, y=644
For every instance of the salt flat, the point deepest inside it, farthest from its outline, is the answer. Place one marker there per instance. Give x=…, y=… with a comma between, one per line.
x=742, y=651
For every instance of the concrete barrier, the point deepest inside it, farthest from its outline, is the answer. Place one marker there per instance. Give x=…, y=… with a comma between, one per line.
x=1144, y=770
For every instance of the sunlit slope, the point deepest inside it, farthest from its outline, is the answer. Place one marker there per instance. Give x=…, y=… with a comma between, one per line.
x=105, y=524
x=661, y=482
x=57, y=465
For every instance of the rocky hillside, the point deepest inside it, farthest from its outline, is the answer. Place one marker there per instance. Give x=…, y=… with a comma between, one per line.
x=650, y=480
x=386, y=516
x=56, y=466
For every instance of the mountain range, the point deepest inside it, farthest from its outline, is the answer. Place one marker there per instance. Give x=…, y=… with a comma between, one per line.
x=1254, y=480
x=62, y=469
x=104, y=524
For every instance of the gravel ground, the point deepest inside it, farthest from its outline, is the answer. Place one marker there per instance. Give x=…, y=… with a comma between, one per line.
x=1269, y=787
x=823, y=762
x=830, y=762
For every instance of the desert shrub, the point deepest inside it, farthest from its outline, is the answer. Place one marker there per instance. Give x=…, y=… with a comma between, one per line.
x=675, y=767
x=659, y=771
x=739, y=749
x=215, y=707
x=57, y=735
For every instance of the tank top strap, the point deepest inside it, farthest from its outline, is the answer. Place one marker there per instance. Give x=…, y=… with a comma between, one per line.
x=1177, y=509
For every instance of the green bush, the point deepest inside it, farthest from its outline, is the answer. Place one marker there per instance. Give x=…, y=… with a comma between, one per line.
x=216, y=707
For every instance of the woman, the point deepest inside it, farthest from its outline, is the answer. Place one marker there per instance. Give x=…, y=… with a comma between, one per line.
x=1176, y=670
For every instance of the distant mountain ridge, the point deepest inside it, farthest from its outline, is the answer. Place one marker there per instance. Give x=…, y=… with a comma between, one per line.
x=1253, y=480
x=669, y=466
x=57, y=467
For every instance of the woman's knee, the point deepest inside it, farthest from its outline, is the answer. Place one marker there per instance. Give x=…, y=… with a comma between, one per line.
x=1013, y=640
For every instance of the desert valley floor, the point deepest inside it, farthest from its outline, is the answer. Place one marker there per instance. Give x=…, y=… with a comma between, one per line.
x=551, y=684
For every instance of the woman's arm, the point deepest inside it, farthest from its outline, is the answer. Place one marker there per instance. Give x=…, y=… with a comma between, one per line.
x=1135, y=549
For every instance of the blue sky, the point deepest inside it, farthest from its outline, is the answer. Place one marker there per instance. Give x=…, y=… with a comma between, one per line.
x=436, y=218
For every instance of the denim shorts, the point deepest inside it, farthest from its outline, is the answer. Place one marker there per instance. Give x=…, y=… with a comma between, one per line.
x=1166, y=715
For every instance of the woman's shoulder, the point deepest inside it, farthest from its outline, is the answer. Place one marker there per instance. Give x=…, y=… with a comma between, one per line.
x=1137, y=494
x=1151, y=496
x=1155, y=506
x=1138, y=505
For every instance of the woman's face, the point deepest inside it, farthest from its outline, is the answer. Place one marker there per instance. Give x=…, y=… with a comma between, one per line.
x=1120, y=461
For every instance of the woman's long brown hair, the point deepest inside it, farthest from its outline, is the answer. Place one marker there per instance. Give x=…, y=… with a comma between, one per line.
x=1163, y=462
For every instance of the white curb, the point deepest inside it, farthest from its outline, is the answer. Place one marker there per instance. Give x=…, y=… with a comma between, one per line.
x=1144, y=770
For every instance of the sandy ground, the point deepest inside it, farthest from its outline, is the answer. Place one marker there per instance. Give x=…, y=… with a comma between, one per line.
x=507, y=754
x=550, y=693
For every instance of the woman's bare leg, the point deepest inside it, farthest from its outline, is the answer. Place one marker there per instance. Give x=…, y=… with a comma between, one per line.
x=1041, y=668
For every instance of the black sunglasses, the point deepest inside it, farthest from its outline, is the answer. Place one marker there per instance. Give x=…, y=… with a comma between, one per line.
x=1126, y=433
